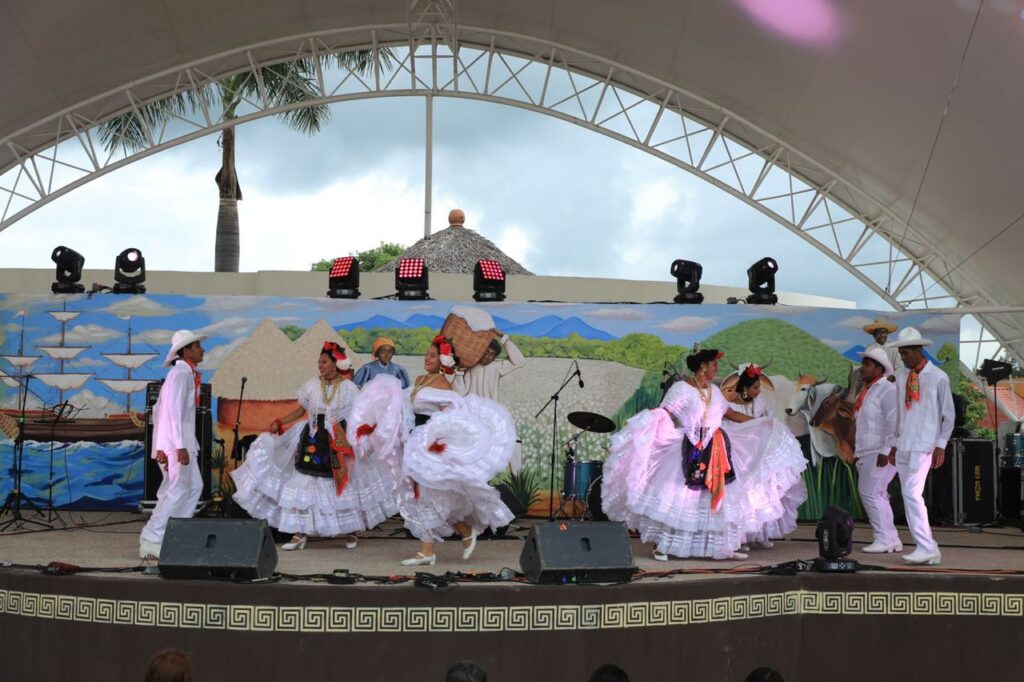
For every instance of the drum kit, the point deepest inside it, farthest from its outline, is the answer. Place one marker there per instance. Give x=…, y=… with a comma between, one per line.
x=581, y=480
x=1013, y=452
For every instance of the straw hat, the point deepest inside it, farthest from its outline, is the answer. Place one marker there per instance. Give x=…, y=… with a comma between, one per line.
x=879, y=323
x=380, y=342
x=908, y=336
x=878, y=355
x=181, y=338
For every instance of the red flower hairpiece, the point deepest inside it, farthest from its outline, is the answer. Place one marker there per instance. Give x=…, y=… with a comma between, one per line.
x=753, y=370
x=338, y=353
x=446, y=354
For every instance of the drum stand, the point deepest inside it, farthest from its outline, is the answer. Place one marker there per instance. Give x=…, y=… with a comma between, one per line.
x=17, y=498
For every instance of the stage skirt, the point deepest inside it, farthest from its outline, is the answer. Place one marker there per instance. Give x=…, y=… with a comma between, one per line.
x=769, y=465
x=269, y=487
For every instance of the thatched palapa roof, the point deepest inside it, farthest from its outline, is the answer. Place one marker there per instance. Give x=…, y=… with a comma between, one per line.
x=456, y=249
x=274, y=365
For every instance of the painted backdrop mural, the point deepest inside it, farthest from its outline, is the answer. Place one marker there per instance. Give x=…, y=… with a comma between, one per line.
x=87, y=361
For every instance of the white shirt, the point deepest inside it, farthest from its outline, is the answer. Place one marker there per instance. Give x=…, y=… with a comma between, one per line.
x=877, y=420
x=482, y=380
x=311, y=398
x=755, y=408
x=927, y=424
x=174, y=415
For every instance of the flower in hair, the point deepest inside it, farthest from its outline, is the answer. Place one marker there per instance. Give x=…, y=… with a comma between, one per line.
x=753, y=371
x=445, y=354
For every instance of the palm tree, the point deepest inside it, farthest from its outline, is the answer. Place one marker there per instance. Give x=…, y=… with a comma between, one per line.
x=284, y=84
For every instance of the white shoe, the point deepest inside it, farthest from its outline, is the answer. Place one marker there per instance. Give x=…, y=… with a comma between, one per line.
x=420, y=560
x=351, y=541
x=738, y=556
x=295, y=544
x=744, y=548
x=468, y=551
x=660, y=556
x=148, y=550
x=923, y=558
x=877, y=547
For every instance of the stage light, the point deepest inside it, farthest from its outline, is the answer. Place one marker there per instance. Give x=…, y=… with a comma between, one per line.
x=994, y=371
x=129, y=272
x=488, y=281
x=69, y=271
x=835, y=541
x=343, y=278
x=687, y=274
x=761, y=282
x=412, y=280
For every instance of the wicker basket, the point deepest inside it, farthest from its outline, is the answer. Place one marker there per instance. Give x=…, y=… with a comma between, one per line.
x=468, y=344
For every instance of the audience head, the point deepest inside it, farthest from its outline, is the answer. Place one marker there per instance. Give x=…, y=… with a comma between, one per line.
x=466, y=671
x=609, y=673
x=169, y=665
x=764, y=674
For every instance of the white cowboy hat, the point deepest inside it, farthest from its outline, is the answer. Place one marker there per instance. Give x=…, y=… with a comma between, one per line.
x=908, y=336
x=181, y=338
x=878, y=355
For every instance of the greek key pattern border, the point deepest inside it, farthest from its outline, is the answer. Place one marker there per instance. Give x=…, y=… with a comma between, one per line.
x=342, y=619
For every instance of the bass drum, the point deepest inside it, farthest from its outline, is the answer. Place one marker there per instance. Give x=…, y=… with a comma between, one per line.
x=582, y=482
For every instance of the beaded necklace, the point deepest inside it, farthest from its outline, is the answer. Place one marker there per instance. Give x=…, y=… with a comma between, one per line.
x=706, y=399
x=326, y=386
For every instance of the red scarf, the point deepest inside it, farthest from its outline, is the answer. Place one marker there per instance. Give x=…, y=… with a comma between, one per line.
x=718, y=467
x=198, y=376
x=863, y=394
x=914, y=385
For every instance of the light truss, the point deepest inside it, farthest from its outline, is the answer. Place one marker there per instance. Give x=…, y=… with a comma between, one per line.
x=436, y=57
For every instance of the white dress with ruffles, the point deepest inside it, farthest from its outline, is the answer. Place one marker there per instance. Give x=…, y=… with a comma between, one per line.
x=449, y=460
x=645, y=485
x=269, y=486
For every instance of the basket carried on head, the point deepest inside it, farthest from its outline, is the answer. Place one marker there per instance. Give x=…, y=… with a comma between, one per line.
x=471, y=330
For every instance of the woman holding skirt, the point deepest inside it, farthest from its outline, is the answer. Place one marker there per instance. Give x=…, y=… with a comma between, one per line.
x=455, y=446
x=307, y=480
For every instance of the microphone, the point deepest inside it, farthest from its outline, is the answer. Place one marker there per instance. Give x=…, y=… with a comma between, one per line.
x=579, y=374
x=244, y=379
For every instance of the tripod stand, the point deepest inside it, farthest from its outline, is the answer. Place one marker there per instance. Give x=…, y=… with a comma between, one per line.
x=16, y=499
x=554, y=437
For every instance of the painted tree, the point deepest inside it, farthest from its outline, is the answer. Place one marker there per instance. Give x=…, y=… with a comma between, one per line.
x=293, y=85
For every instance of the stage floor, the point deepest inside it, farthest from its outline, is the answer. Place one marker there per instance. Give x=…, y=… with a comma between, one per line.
x=110, y=540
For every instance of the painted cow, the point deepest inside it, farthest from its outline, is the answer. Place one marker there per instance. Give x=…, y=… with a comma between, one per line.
x=807, y=399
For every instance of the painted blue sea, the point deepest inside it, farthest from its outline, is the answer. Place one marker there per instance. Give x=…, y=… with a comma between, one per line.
x=86, y=476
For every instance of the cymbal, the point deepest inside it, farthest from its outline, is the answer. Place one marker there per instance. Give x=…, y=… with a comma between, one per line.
x=588, y=421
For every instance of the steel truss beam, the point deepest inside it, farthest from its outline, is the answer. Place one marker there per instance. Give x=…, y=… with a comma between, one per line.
x=436, y=57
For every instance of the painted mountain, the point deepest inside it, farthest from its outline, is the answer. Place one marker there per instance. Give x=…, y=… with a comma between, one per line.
x=377, y=322
x=555, y=327
x=419, y=320
x=790, y=350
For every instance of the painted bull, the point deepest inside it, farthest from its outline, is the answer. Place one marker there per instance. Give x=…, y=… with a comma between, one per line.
x=807, y=400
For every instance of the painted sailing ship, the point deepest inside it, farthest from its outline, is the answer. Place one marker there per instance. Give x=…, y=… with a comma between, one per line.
x=59, y=422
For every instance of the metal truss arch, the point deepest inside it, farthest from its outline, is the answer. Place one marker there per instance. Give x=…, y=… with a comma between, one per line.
x=437, y=57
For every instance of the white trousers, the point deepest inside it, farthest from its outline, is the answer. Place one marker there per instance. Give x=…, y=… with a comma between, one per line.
x=175, y=500
x=873, y=485
x=913, y=469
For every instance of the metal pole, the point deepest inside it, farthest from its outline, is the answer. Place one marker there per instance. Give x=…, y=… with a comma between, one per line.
x=429, y=163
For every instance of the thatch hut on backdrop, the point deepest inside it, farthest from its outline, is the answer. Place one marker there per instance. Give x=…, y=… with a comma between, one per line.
x=456, y=249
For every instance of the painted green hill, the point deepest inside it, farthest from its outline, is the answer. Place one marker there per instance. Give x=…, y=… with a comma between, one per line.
x=791, y=350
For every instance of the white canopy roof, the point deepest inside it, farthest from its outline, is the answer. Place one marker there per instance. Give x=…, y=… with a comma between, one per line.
x=860, y=87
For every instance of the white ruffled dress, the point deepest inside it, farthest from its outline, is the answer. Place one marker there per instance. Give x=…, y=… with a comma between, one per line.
x=645, y=485
x=769, y=464
x=446, y=463
x=269, y=486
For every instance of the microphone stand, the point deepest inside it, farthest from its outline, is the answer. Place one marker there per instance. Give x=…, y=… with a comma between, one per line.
x=62, y=411
x=554, y=440
x=236, y=451
x=16, y=497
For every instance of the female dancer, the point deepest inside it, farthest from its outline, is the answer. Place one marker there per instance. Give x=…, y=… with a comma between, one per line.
x=306, y=481
x=457, y=445
x=670, y=467
x=768, y=461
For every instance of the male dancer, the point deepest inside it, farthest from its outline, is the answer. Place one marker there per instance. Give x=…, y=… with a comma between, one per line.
x=175, y=446
x=876, y=435
x=925, y=409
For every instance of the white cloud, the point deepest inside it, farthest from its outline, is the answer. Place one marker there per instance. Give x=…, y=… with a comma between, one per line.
x=85, y=333
x=856, y=322
x=622, y=313
x=838, y=344
x=216, y=355
x=682, y=325
x=138, y=306
x=155, y=337
x=88, y=362
x=93, y=405
x=940, y=324
x=229, y=326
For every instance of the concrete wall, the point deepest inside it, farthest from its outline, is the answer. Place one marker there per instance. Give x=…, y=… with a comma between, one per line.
x=448, y=287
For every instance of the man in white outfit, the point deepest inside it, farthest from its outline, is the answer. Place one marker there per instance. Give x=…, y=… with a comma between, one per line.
x=925, y=423
x=876, y=435
x=175, y=446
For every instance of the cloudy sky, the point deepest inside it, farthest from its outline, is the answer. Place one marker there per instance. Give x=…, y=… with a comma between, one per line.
x=558, y=198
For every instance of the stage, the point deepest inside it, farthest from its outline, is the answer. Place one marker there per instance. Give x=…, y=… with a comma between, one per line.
x=683, y=619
